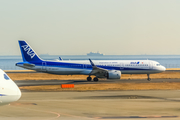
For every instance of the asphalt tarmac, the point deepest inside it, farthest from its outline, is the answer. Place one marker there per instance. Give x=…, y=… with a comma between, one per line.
x=76, y=82
x=96, y=105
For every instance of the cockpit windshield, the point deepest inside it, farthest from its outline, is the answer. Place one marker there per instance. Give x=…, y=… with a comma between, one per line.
x=158, y=64
x=6, y=77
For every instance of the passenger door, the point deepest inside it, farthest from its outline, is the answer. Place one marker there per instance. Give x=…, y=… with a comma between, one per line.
x=43, y=66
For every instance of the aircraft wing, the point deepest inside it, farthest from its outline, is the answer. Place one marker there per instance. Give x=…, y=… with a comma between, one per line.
x=97, y=70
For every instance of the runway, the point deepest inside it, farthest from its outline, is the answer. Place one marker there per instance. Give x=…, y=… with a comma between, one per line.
x=98, y=105
x=76, y=82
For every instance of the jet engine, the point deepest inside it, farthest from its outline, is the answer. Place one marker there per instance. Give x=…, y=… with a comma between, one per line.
x=114, y=74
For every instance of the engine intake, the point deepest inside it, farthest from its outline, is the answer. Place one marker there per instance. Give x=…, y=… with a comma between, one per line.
x=114, y=74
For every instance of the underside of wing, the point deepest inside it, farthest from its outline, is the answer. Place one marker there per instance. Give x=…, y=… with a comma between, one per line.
x=104, y=73
x=100, y=72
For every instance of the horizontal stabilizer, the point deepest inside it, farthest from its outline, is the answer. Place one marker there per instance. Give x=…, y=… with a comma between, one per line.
x=28, y=65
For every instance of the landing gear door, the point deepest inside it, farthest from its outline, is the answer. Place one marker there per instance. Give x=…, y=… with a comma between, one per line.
x=43, y=66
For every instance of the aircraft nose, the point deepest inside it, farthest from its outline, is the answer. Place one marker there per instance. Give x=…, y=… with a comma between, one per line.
x=14, y=92
x=18, y=94
x=163, y=68
x=10, y=95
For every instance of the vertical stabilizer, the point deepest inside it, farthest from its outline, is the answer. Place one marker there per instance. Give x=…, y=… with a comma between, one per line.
x=28, y=54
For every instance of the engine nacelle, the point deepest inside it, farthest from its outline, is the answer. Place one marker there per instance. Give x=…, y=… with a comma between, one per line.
x=114, y=74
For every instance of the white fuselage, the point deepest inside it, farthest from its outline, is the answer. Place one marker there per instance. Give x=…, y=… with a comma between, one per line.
x=9, y=91
x=84, y=66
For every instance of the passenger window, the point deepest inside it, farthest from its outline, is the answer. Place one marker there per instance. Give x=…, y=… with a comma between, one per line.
x=6, y=77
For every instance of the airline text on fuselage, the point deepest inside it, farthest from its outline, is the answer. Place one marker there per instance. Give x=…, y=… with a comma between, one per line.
x=134, y=62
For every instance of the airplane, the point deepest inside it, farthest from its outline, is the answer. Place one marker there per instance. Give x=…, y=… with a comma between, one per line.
x=110, y=69
x=9, y=91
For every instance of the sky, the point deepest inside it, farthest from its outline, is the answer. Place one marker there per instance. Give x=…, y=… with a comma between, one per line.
x=77, y=27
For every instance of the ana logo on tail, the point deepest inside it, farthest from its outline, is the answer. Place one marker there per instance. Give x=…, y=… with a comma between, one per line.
x=29, y=51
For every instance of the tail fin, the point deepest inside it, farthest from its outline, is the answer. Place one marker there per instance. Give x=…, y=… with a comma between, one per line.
x=28, y=54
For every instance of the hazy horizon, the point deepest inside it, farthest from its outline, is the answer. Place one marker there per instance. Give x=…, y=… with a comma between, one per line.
x=97, y=56
x=112, y=27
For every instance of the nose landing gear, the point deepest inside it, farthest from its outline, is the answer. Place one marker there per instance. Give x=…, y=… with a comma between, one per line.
x=148, y=77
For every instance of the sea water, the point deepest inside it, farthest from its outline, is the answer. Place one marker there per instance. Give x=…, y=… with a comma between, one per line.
x=169, y=61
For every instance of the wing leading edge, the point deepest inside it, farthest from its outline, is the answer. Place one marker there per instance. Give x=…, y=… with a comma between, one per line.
x=97, y=71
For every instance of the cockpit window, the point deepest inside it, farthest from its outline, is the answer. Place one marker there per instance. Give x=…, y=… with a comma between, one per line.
x=158, y=65
x=6, y=77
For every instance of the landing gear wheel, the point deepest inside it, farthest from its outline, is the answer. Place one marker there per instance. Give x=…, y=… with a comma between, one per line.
x=89, y=78
x=148, y=77
x=95, y=79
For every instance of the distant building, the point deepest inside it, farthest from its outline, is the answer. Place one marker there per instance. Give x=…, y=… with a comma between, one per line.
x=94, y=54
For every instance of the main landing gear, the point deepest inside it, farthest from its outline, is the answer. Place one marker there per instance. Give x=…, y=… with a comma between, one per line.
x=148, y=77
x=95, y=79
x=89, y=79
